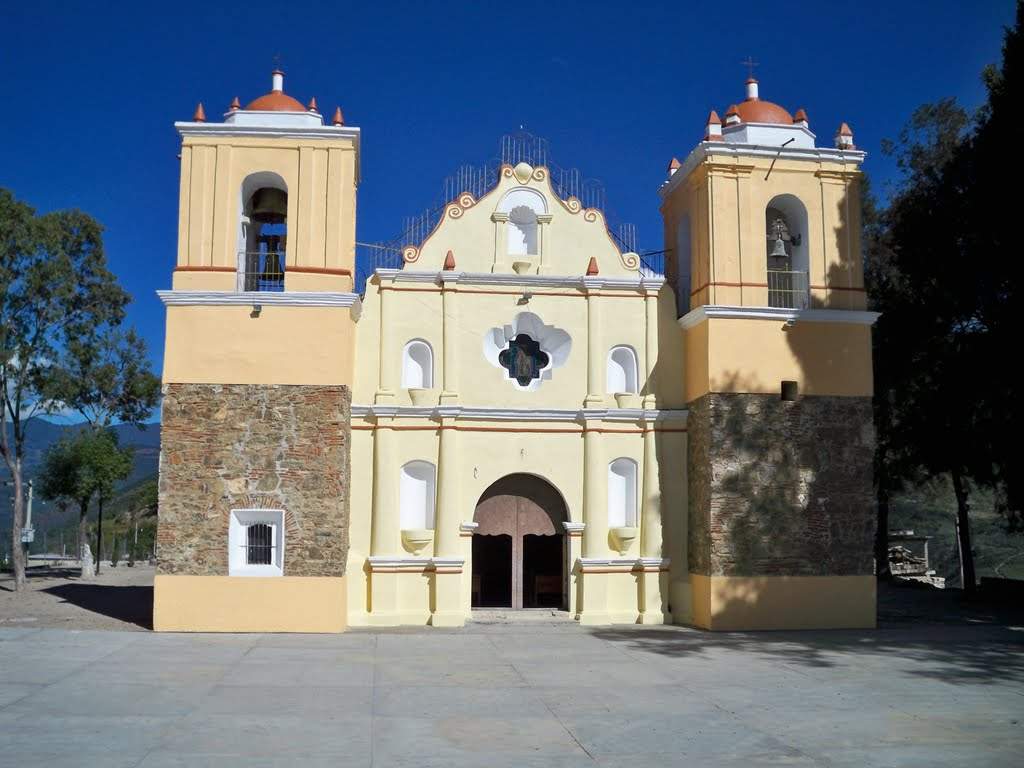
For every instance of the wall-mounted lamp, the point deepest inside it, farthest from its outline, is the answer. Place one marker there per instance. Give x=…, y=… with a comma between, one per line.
x=525, y=298
x=256, y=309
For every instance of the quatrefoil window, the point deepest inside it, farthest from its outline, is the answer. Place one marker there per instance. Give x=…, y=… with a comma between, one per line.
x=523, y=359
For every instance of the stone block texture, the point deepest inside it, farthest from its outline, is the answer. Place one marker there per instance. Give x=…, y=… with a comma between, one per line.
x=227, y=447
x=780, y=488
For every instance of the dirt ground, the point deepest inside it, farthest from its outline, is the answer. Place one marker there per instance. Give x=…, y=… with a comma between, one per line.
x=119, y=598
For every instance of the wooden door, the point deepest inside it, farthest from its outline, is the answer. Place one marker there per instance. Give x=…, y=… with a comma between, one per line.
x=517, y=506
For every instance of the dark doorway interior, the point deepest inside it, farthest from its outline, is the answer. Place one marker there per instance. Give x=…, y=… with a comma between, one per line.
x=542, y=571
x=492, y=571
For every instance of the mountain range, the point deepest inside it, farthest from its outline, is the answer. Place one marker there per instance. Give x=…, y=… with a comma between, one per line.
x=40, y=434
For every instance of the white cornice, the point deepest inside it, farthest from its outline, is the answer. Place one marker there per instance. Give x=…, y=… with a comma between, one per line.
x=638, y=283
x=262, y=298
x=514, y=414
x=571, y=527
x=707, y=149
x=271, y=131
x=716, y=311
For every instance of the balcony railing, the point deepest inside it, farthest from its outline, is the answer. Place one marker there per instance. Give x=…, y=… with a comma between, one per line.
x=788, y=290
x=261, y=271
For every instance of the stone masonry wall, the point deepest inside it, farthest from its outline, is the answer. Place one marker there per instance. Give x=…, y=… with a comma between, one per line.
x=227, y=447
x=781, y=488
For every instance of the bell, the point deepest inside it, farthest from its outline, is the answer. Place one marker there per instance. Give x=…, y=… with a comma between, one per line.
x=269, y=206
x=779, y=249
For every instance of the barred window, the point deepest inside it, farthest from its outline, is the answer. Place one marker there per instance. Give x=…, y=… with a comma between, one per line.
x=256, y=542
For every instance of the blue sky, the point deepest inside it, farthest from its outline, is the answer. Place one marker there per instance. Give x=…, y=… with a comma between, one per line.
x=617, y=88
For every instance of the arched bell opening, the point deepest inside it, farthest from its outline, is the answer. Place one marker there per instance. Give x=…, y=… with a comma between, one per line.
x=519, y=555
x=787, y=259
x=263, y=232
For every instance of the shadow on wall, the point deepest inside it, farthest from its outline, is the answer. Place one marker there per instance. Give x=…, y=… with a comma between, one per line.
x=133, y=605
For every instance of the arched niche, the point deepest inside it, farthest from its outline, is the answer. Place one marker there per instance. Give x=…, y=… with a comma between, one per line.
x=262, y=232
x=523, y=205
x=786, y=216
x=622, y=493
x=417, y=365
x=621, y=371
x=416, y=493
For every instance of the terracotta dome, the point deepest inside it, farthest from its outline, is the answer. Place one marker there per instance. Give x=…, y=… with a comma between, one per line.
x=755, y=110
x=277, y=100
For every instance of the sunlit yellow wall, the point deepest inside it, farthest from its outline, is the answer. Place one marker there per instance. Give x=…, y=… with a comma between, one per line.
x=245, y=604
x=320, y=176
x=755, y=356
x=284, y=345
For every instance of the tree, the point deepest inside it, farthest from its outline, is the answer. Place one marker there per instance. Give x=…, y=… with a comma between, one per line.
x=80, y=468
x=54, y=288
x=144, y=501
x=941, y=269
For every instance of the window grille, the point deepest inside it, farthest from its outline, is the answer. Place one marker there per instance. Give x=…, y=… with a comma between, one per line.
x=259, y=545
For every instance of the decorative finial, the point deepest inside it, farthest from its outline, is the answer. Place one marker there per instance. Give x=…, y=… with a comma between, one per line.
x=673, y=166
x=338, y=119
x=277, y=81
x=844, y=137
x=732, y=115
x=312, y=104
x=713, y=128
x=449, y=261
x=200, y=115
x=235, y=105
x=592, y=267
x=800, y=118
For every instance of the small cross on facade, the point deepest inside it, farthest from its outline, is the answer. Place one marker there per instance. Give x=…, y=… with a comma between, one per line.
x=750, y=64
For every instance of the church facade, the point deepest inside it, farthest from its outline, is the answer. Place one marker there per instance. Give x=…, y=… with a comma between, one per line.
x=518, y=413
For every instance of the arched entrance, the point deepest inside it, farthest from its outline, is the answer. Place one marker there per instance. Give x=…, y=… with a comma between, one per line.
x=519, y=545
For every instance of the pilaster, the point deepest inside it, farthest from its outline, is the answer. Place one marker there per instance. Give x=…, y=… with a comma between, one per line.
x=595, y=349
x=450, y=325
x=388, y=363
x=544, y=248
x=501, y=264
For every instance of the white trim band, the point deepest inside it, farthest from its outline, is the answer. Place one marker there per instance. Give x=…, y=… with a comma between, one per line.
x=638, y=283
x=719, y=311
x=571, y=528
x=510, y=414
x=624, y=562
x=270, y=131
x=262, y=298
x=377, y=561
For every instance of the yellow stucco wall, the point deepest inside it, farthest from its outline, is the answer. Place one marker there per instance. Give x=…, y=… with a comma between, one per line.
x=244, y=604
x=725, y=199
x=284, y=345
x=783, y=602
x=756, y=355
x=320, y=175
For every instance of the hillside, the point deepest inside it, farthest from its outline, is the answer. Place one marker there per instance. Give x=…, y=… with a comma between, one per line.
x=41, y=434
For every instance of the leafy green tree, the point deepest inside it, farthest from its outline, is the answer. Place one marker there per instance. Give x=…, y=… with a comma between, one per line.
x=941, y=268
x=54, y=287
x=81, y=468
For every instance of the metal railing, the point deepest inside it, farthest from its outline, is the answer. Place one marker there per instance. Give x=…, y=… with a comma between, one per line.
x=788, y=290
x=260, y=271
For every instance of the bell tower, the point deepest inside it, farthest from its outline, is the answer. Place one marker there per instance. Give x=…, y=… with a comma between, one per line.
x=762, y=232
x=258, y=360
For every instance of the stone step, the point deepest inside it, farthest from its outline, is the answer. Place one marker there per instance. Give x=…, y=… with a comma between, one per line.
x=521, y=616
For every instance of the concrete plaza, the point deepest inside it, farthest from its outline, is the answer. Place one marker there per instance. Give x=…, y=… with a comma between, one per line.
x=541, y=693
